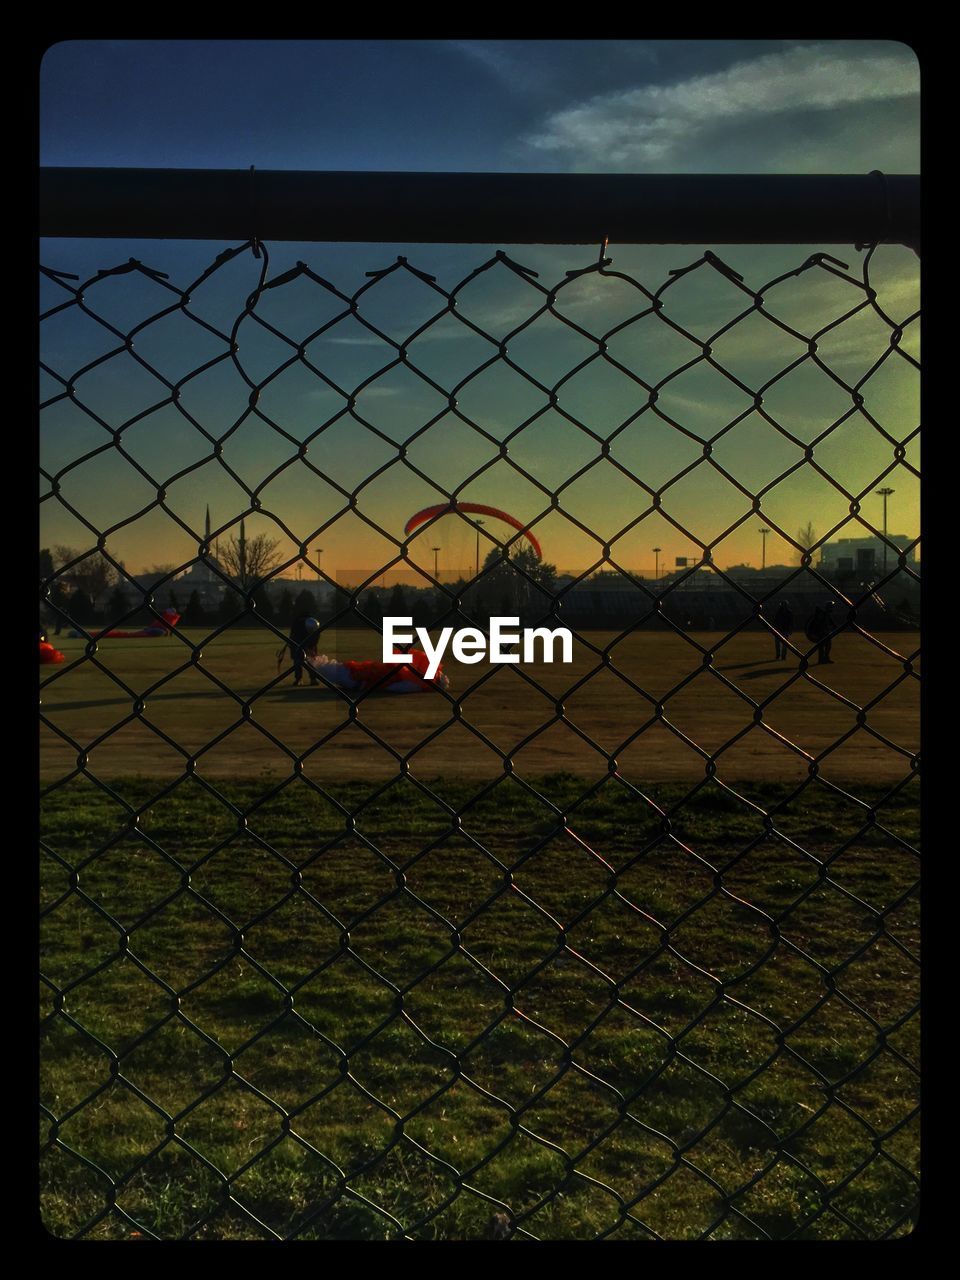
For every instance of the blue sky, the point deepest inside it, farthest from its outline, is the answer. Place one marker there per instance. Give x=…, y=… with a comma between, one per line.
x=484, y=105
x=677, y=106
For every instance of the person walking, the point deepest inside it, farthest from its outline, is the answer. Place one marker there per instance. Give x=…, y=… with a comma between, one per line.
x=782, y=627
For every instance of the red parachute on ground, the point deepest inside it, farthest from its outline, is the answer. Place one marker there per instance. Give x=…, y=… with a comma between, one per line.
x=471, y=508
x=162, y=627
x=360, y=676
x=48, y=653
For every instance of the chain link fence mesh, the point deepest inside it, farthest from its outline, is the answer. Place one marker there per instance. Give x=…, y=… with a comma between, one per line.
x=396, y=971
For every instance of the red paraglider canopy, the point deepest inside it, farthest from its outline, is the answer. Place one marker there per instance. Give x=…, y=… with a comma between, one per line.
x=473, y=508
x=48, y=653
x=162, y=627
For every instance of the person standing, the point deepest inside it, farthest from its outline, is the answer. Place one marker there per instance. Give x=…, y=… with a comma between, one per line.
x=830, y=631
x=782, y=627
x=304, y=636
x=821, y=629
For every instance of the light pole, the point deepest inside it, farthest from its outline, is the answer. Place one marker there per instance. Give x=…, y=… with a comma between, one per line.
x=763, y=535
x=436, y=564
x=478, y=524
x=656, y=572
x=885, y=494
x=319, y=553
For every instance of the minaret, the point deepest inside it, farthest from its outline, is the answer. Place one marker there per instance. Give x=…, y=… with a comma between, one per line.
x=206, y=541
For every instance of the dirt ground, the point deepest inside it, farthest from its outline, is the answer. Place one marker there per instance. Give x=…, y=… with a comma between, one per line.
x=150, y=706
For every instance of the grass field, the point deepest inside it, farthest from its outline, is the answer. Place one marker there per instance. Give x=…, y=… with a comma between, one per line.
x=492, y=711
x=395, y=1008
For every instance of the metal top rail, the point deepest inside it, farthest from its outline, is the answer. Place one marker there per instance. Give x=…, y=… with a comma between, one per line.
x=480, y=208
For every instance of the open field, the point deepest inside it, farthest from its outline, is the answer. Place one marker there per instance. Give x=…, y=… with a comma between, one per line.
x=492, y=712
x=396, y=1023
x=609, y=1006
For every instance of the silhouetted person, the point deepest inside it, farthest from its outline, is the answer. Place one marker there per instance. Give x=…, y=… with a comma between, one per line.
x=782, y=626
x=304, y=634
x=820, y=630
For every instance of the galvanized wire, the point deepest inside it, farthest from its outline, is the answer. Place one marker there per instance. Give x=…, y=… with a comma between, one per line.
x=654, y=604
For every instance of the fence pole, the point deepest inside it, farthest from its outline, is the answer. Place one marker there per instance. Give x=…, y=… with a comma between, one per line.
x=480, y=208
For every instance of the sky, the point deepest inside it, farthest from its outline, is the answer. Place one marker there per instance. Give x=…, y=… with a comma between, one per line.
x=486, y=106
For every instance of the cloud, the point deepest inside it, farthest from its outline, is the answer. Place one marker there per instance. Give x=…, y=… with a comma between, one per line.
x=516, y=64
x=375, y=391
x=658, y=124
x=487, y=55
x=370, y=340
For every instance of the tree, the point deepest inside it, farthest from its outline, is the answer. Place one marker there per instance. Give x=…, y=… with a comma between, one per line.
x=265, y=609
x=118, y=605
x=336, y=601
x=397, y=607
x=305, y=604
x=516, y=581
x=231, y=606
x=56, y=595
x=194, y=615
x=806, y=536
x=284, y=608
x=371, y=606
x=424, y=612
x=80, y=607
x=542, y=573
x=92, y=574
x=250, y=560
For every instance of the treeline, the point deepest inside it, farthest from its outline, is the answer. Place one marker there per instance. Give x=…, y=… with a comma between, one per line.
x=90, y=592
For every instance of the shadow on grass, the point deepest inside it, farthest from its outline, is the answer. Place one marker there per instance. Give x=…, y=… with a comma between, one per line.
x=284, y=694
x=767, y=671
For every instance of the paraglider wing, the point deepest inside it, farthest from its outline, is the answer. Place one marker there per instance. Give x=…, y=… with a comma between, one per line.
x=362, y=676
x=472, y=508
x=168, y=620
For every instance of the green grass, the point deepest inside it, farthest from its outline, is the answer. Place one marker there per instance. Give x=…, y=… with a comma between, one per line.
x=178, y=702
x=367, y=1014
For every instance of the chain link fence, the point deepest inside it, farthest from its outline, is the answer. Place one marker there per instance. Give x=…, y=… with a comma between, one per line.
x=627, y=950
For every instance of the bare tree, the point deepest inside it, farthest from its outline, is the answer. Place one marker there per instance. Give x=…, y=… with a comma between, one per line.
x=62, y=555
x=93, y=575
x=806, y=536
x=250, y=560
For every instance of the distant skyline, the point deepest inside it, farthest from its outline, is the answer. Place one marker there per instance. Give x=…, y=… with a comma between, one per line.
x=567, y=106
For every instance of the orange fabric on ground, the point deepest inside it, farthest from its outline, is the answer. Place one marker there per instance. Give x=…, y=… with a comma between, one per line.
x=370, y=673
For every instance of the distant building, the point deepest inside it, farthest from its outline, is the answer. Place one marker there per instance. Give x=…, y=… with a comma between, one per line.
x=865, y=555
